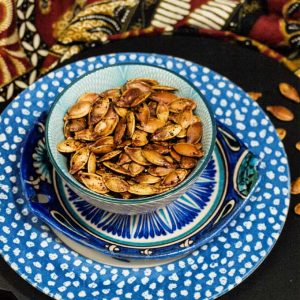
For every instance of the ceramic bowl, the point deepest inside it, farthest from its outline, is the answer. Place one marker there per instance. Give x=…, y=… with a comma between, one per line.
x=110, y=77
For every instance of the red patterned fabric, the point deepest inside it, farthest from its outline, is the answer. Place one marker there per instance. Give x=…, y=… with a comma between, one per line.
x=36, y=35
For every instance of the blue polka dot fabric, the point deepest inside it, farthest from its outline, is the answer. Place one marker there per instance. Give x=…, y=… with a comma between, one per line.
x=36, y=255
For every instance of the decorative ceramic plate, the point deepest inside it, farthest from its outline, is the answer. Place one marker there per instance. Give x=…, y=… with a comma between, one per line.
x=193, y=219
x=32, y=250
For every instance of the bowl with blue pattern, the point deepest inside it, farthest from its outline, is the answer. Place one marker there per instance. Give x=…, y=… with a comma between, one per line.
x=108, y=78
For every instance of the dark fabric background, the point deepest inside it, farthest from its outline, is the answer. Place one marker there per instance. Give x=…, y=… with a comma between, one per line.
x=279, y=275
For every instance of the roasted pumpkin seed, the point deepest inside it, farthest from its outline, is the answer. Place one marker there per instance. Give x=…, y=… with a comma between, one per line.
x=295, y=189
x=194, y=133
x=281, y=133
x=94, y=182
x=281, y=113
x=135, y=168
x=92, y=163
x=166, y=133
x=69, y=146
x=79, y=160
x=147, y=179
x=289, y=92
x=187, y=149
x=255, y=95
x=79, y=110
x=143, y=189
x=98, y=111
x=155, y=158
x=116, y=184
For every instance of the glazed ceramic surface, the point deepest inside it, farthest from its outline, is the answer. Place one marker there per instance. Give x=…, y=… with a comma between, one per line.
x=197, y=216
x=32, y=250
x=114, y=76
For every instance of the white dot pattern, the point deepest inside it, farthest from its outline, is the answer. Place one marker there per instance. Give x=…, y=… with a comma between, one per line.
x=217, y=267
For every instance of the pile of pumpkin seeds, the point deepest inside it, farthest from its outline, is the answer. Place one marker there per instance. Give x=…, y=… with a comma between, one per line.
x=137, y=140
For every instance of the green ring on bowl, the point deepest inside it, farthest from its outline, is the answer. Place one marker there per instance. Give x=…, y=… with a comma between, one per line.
x=195, y=173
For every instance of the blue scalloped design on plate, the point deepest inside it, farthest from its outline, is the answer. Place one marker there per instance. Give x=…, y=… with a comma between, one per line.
x=174, y=230
x=33, y=251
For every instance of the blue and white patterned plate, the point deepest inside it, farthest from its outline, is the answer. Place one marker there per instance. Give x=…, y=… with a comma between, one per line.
x=193, y=219
x=32, y=250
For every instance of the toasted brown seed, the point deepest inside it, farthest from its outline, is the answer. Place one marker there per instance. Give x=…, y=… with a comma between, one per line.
x=120, y=111
x=254, y=95
x=94, y=182
x=98, y=111
x=169, y=159
x=110, y=155
x=164, y=97
x=116, y=184
x=281, y=133
x=185, y=118
x=175, y=155
x=106, y=140
x=130, y=119
x=143, y=189
x=79, y=160
x=280, y=112
x=147, y=178
x=152, y=125
x=88, y=97
x=136, y=155
x=182, y=104
x=135, y=168
x=166, y=133
x=155, y=158
x=120, y=131
x=116, y=168
x=77, y=124
x=187, y=149
x=182, y=133
x=86, y=135
x=164, y=88
x=159, y=171
x=289, y=92
x=152, y=108
x=139, y=138
x=194, y=133
x=102, y=149
x=123, y=159
x=297, y=209
x=113, y=94
x=161, y=149
x=69, y=146
x=79, y=110
x=162, y=112
x=108, y=128
x=92, y=163
x=128, y=97
x=174, y=177
x=188, y=162
x=295, y=189
x=140, y=99
x=124, y=144
x=67, y=132
x=144, y=80
x=298, y=145
x=143, y=86
x=143, y=114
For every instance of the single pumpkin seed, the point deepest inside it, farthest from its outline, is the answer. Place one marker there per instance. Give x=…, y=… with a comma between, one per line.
x=120, y=131
x=155, y=158
x=175, y=155
x=298, y=145
x=289, y=92
x=159, y=171
x=130, y=119
x=174, y=178
x=161, y=149
x=254, y=95
x=297, y=209
x=79, y=110
x=152, y=125
x=166, y=133
x=139, y=138
x=79, y=160
x=182, y=104
x=123, y=159
x=194, y=133
x=281, y=113
x=295, y=188
x=162, y=112
x=147, y=179
x=143, y=114
x=110, y=155
x=103, y=149
x=164, y=88
x=187, y=149
x=164, y=97
x=120, y=111
x=92, y=163
x=98, y=111
x=88, y=97
x=281, y=133
x=77, y=124
x=116, y=184
x=188, y=162
x=135, y=168
x=136, y=155
x=69, y=146
x=86, y=135
x=116, y=168
x=94, y=182
x=143, y=189
x=140, y=99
